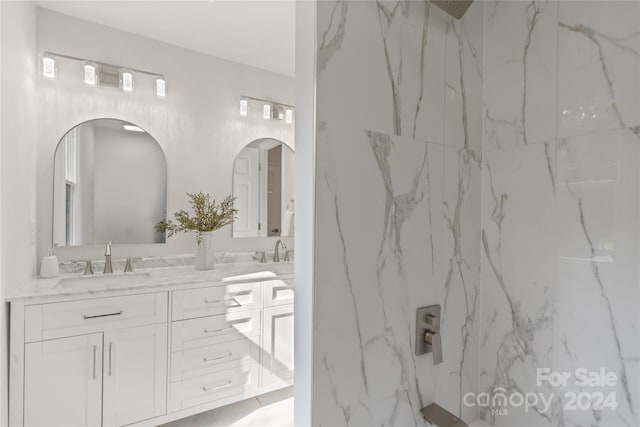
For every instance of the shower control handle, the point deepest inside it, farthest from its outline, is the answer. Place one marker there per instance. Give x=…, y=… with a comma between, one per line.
x=434, y=341
x=428, y=338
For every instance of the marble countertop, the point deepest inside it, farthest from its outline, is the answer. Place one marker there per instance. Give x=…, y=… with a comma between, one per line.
x=168, y=277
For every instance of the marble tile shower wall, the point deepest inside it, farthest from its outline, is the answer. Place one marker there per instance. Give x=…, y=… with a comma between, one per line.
x=560, y=217
x=398, y=180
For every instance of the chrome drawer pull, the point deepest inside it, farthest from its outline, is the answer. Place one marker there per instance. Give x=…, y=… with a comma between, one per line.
x=95, y=316
x=210, y=359
x=110, y=345
x=207, y=301
x=216, y=386
x=95, y=348
x=211, y=331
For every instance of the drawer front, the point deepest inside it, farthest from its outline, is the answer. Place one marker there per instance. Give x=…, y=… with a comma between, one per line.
x=193, y=333
x=213, y=358
x=278, y=292
x=209, y=388
x=193, y=303
x=55, y=320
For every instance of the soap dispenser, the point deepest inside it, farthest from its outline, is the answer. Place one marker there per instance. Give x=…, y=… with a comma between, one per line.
x=49, y=265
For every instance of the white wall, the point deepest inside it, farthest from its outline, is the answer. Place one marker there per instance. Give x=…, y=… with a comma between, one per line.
x=17, y=154
x=197, y=125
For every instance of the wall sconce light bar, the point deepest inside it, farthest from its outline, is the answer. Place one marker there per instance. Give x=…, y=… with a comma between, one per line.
x=99, y=73
x=270, y=110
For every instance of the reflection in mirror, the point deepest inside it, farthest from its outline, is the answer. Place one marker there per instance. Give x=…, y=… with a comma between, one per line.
x=109, y=184
x=263, y=188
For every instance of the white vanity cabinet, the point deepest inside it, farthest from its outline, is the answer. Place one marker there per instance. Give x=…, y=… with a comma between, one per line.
x=94, y=362
x=63, y=382
x=277, y=333
x=142, y=359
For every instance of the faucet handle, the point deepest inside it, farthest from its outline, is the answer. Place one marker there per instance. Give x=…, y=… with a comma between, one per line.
x=263, y=257
x=88, y=270
x=286, y=255
x=128, y=265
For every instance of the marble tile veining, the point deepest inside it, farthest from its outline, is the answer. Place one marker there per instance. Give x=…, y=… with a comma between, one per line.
x=599, y=63
x=517, y=279
x=520, y=72
x=597, y=214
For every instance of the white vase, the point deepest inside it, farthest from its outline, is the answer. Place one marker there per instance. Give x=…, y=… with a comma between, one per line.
x=205, y=256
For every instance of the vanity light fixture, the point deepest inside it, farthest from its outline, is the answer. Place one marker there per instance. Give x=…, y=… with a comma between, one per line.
x=126, y=80
x=90, y=74
x=266, y=111
x=288, y=115
x=48, y=66
x=270, y=110
x=133, y=128
x=99, y=73
x=161, y=87
x=244, y=106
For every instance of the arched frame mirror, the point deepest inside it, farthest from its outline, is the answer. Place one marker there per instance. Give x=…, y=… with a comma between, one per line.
x=109, y=184
x=263, y=185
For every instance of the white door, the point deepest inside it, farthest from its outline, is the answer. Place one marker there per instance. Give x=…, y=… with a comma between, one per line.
x=135, y=374
x=63, y=382
x=277, y=362
x=246, y=190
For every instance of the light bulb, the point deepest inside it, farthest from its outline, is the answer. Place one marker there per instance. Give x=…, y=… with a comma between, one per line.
x=89, y=76
x=288, y=115
x=244, y=106
x=266, y=111
x=48, y=67
x=126, y=81
x=161, y=87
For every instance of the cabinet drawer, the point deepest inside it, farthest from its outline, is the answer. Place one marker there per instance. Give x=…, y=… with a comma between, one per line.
x=55, y=320
x=209, y=388
x=278, y=292
x=193, y=333
x=213, y=358
x=192, y=303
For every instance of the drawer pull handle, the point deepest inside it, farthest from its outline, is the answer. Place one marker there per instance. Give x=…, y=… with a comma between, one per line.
x=211, y=331
x=95, y=316
x=216, y=386
x=210, y=358
x=95, y=349
x=208, y=301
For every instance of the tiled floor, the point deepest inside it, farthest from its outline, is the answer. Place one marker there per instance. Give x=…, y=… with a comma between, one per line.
x=273, y=409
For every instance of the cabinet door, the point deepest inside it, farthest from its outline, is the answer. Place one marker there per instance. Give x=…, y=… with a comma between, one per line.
x=135, y=374
x=277, y=343
x=63, y=382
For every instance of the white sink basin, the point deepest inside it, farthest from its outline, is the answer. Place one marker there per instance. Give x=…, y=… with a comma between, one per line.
x=104, y=280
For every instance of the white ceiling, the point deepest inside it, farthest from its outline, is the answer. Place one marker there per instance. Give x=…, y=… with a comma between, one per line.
x=260, y=33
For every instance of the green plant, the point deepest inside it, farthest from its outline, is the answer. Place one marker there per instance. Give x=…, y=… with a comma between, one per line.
x=207, y=216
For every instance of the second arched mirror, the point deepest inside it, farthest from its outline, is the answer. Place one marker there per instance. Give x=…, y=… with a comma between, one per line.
x=263, y=188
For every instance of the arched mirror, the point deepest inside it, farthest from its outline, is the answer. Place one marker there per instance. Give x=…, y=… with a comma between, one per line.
x=109, y=184
x=263, y=188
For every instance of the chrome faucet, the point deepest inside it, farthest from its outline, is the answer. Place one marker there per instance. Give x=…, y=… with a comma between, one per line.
x=108, y=268
x=276, y=253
